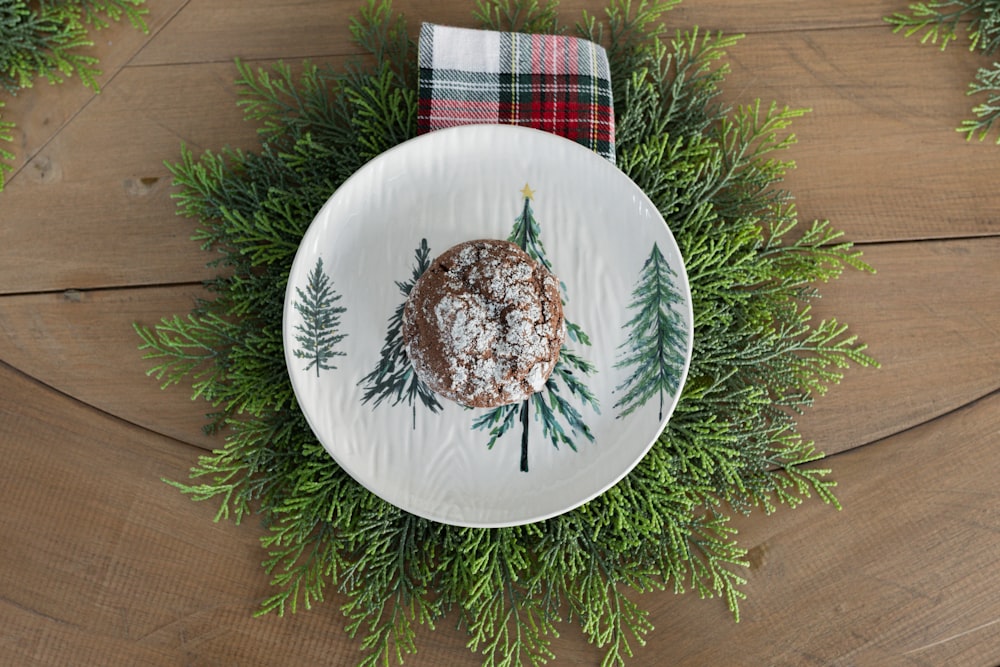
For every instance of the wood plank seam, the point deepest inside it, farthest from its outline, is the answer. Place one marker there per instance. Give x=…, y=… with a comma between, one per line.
x=944, y=415
x=26, y=159
x=110, y=415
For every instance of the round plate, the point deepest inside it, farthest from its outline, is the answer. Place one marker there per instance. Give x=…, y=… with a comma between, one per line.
x=627, y=307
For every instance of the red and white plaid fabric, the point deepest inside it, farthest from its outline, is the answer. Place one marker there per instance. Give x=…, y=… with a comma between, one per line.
x=548, y=82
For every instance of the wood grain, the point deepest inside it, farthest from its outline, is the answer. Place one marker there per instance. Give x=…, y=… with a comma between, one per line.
x=920, y=324
x=82, y=344
x=903, y=575
x=43, y=111
x=876, y=132
x=102, y=203
x=126, y=570
x=927, y=317
x=104, y=563
x=216, y=30
x=878, y=155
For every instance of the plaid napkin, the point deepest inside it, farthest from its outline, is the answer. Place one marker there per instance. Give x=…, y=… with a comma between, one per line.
x=549, y=82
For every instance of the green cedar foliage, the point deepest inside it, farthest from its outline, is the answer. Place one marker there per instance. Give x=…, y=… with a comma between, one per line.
x=5, y=155
x=941, y=22
x=731, y=445
x=48, y=39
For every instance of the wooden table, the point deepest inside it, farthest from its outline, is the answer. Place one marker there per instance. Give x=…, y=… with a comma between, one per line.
x=104, y=564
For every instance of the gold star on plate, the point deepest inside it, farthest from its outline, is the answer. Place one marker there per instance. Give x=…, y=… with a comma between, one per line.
x=528, y=192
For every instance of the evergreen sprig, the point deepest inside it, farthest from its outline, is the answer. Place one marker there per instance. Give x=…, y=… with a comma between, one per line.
x=940, y=21
x=987, y=82
x=48, y=39
x=6, y=157
x=731, y=445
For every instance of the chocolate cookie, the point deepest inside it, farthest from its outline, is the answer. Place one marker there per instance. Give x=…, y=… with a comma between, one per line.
x=484, y=324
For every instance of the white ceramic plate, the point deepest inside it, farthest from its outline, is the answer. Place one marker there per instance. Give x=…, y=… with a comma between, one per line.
x=618, y=264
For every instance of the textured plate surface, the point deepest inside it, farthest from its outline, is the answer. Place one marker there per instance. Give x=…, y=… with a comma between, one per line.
x=626, y=298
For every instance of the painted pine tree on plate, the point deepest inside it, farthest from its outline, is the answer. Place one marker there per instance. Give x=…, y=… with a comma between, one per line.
x=393, y=377
x=657, y=340
x=318, y=334
x=562, y=422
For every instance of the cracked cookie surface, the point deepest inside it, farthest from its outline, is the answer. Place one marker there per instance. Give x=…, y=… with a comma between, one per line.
x=483, y=325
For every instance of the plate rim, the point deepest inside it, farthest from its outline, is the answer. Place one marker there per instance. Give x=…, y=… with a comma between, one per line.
x=531, y=135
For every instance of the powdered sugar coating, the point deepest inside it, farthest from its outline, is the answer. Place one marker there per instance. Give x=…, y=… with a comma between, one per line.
x=484, y=324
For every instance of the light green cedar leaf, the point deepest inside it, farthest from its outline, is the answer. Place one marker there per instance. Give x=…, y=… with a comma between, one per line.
x=940, y=21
